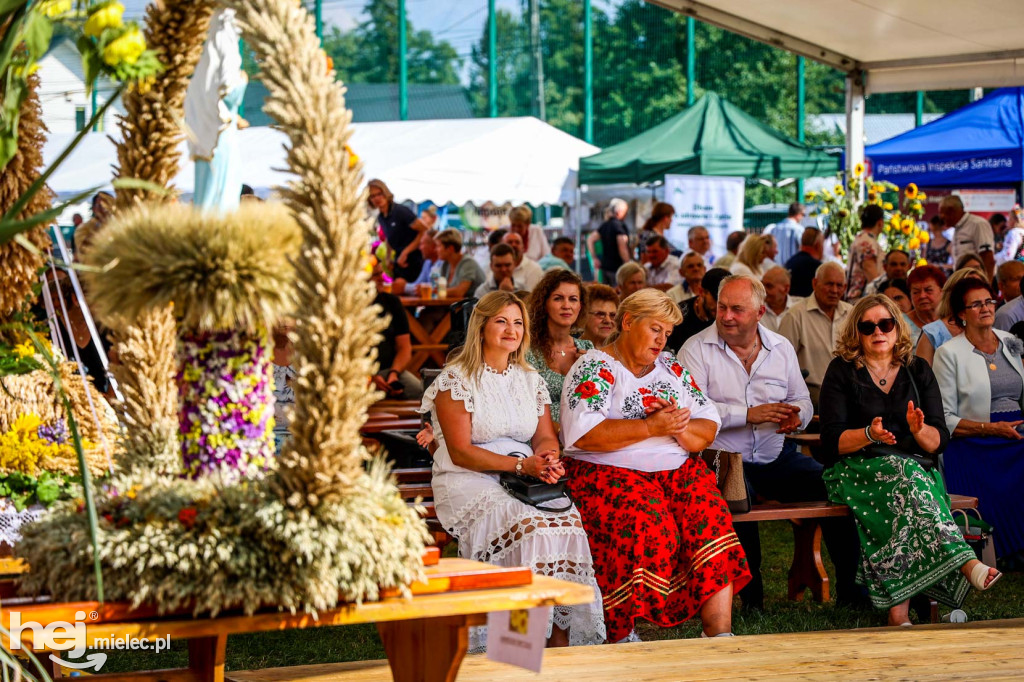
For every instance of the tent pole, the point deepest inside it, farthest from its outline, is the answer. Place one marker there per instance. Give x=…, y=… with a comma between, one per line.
x=855, y=96
x=492, y=60
x=588, y=74
x=919, y=109
x=691, y=61
x=403, y=66
x=801, y=100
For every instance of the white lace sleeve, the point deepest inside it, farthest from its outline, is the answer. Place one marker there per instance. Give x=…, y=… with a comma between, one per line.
x=541, y=389
x=452, y=381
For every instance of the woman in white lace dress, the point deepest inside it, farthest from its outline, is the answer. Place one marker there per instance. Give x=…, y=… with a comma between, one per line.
x=488, y=404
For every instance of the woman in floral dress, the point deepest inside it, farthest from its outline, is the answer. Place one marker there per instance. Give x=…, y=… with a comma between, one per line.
x=660, y=531
x=490, y=414
x=555, y=306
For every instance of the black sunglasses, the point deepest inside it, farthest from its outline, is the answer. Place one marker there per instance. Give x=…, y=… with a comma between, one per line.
x=868, y=328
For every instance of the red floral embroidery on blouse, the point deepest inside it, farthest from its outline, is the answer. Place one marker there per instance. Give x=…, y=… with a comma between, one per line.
x=606, y=375
x=588, y=389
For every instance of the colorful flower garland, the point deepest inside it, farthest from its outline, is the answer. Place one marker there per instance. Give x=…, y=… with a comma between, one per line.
x=227, y=415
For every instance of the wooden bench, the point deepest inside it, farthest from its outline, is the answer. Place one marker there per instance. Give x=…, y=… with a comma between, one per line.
x=806, y=572
x=971, y=651
x=425, y=637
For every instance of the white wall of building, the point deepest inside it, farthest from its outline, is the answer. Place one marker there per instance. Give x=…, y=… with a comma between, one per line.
x=62, y=91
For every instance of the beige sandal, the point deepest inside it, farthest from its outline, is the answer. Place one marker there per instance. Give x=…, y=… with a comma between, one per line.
x=979, y=574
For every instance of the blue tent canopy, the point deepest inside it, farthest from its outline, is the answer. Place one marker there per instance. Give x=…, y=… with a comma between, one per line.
x=979, y=144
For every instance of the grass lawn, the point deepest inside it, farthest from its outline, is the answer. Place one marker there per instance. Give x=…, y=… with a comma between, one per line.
x=354, y=643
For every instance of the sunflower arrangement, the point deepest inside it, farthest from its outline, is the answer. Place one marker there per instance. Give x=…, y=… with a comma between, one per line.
x=843, y=205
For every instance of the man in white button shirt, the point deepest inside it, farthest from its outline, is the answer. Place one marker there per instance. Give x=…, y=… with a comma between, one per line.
x=971, y=233
x=753, y=377
x=527, y=272
x=662, y=267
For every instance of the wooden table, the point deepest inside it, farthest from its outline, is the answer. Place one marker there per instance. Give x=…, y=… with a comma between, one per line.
x=425, y=637
x=986, y=650
x=427, y=344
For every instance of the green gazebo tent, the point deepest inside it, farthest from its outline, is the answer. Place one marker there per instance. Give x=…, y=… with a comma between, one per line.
x=713, y=137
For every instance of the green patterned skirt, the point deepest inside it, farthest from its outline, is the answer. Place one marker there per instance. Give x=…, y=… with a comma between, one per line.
x=909, y=541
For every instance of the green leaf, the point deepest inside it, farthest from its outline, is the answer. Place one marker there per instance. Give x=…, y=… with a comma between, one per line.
x=48, y=491
x=7, y=6
x=138, y=183
x=37, y=33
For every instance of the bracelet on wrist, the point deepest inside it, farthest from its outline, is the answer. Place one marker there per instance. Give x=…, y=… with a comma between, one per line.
x=867, y=434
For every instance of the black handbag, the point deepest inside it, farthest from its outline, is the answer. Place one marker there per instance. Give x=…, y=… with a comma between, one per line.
x=535, y=492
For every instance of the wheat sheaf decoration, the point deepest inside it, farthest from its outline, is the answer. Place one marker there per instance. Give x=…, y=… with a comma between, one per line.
x=327, y=525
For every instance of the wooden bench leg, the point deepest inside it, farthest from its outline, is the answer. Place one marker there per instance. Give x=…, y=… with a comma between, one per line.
x=425, y=650
x=808, y=570
x=206, y=657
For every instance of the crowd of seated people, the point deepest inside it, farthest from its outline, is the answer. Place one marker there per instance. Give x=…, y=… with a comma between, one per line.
x=618, y=384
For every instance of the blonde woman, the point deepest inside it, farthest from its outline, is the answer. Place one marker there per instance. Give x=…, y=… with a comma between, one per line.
x=401, y=228
x=490, y=413
x=660, y=532
x=752, y=254
x=535, y=242
x=882, y=429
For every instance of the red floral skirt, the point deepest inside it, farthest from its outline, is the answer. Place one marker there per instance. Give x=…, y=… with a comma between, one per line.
x=662, y=541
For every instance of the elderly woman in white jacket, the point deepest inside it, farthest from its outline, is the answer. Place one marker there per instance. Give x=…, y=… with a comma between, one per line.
x=981, y=378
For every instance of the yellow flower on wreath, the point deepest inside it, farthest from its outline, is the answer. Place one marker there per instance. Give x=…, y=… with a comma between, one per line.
x=914, y=243
x=911, y=191
x=921, y=262
x=887, y=206
x=907, y=226
x=51, y=9
x=127, y=48
x=840, y=192
x=924, y=237
x=104, y=17
x=838, y=188
x=858, y=170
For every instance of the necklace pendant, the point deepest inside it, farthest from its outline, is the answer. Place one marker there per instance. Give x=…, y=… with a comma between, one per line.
x=992, y=366
x=562, y=352
x=882, y=382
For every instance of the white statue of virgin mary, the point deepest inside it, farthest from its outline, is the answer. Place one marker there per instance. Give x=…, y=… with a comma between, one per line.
x=212, y=103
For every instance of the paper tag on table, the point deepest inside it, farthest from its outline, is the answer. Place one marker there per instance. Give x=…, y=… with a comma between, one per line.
x=518, y=637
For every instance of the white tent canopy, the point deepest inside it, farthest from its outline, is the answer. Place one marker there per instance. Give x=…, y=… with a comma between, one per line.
x=883, y=46
x=517, y=160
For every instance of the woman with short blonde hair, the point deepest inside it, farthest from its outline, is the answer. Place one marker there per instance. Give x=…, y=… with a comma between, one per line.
x=751, y=255
x=661, y=535
x=535, y=242
x=882, y=430
x=490, y=414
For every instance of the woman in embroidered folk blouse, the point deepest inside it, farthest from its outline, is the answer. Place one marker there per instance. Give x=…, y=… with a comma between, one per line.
x=488, y=403
x=555, y=306
x=660, y=532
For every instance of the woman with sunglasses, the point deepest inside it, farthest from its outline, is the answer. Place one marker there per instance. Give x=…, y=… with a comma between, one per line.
x=882, y=428
x=982, y=382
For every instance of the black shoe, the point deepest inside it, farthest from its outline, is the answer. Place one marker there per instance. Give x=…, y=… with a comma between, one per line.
x=855, y=598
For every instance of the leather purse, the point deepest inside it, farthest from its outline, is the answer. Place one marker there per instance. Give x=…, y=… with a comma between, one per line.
x=535, y=492
x=728, y=470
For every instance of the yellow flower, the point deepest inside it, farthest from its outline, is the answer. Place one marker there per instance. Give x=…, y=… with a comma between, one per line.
x=107, y=16
x=911, y=191
x=824, y=211
x=887, y=206
x=840, y=192
x=907, y=226
x=125, y=49
x=811, y=196
x=54, y=8
x=914, y=243
x=838, y=188
x=871, y=196
x=924, y=237
x=858, y=170
x=27, y=423
x=921, y=196
x=353, y=158
x=24, y=350
x=852, y=184
x=921, y=261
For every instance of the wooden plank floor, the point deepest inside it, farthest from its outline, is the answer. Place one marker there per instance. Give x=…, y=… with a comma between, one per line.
x=987, y=650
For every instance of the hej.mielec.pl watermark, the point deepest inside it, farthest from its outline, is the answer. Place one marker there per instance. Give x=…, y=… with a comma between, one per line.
x=71, y=637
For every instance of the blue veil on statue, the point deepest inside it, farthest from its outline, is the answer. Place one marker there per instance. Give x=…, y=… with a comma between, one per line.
x=212, y=103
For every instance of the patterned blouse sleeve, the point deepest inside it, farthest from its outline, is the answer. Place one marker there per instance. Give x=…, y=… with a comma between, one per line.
x=691, y=395
x=586, y=397
x=541, y=390
x=448, y=380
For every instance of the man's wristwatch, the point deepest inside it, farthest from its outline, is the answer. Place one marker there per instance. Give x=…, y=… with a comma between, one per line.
x=519, y=466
